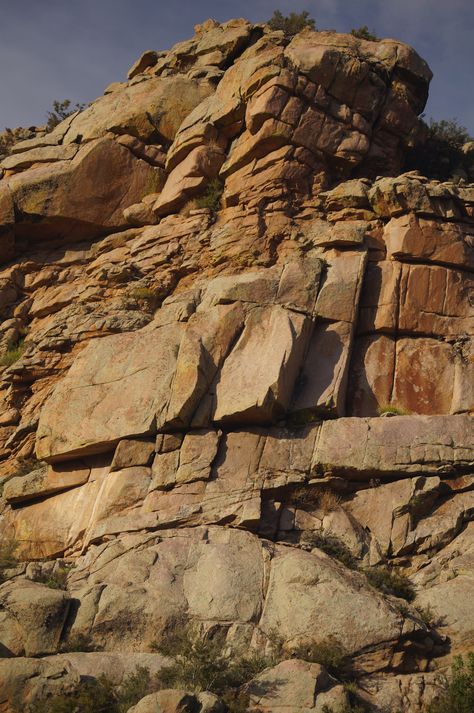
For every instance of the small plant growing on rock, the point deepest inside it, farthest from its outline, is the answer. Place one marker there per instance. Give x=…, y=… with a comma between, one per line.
x=363, y=33
x=458, y=693
x=291, y=24
x=328, y=653
x=79, y=642
x=56, y=579
x=332, y=546
x=212, y=197
x=201, y=663
x=391, y=582
x=392, y=409
x=14, y=352
x=100, y=695
x=60, y=111
x=8, y=558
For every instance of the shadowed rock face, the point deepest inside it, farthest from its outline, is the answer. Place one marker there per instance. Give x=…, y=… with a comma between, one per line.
x=204, y=402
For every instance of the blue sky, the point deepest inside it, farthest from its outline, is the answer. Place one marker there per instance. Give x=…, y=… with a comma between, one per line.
x=58, y=49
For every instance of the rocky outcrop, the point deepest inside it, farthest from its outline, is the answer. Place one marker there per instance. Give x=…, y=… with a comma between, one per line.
x=237, y=368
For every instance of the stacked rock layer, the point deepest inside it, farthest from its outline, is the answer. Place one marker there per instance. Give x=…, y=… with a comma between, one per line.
x=200, y=391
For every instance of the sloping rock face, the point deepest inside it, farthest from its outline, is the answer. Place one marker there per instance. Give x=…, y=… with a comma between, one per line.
x=193, y=396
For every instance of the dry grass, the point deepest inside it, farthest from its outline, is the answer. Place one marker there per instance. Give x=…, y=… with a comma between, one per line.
x=314, y=498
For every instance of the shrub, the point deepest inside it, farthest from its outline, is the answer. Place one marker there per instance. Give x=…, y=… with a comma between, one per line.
x=212, y=196
x=56, y=579
x=13, y=353
x=363, y=33
x=458, y=693
x=332, y=546
x=202, y=664
x=391, y=582
x=8, y=558
x=328, y=653
x=346, y=708
x=27, y=465
x=440, y=155
x=60, y=111
x=143, y=294
x=291, y=24
x=99, y=695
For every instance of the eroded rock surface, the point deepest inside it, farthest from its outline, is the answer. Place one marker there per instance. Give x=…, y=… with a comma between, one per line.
x=237, y=375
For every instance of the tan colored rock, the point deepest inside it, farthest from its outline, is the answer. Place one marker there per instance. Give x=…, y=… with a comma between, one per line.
x=65, y=196
x=381, y=447
x=36, y=679
x=189, y=179
x=114, y=389
x=323, y=380
x=296, y=686
x=146, y=60
x=175, y=701
x=196, y=455
x=148, y=110
x=259, y=390
x=413, y=238
x=132, y=452
x=32, y=618
x=371, y=375
x=46, y=481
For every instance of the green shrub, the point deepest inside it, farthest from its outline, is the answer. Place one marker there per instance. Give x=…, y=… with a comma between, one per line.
x=212, y=196
x=391, y=582
x=332, y=546
x=328, y=653
x=60, y=111
x=363, y=33
x=99, y=696
x=14, y=352
x=458, y=693
x=56, y=579
x=202, y=664
x=440, y=155
x=346, y=708
x=8, y=558
x=27, y=465
x=291, y=24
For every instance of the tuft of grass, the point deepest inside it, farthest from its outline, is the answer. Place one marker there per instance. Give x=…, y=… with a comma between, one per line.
x=8, y=558
x=14, y=352
x=78, y=642
x=56, y=579
x=332, y=546
x=328, y=653
x=212, y=197
x=458, y=690
x=395, y=410
x=389, y=581
x=308, y=498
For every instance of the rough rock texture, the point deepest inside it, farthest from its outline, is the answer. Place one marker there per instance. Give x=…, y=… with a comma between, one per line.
x=199, y=398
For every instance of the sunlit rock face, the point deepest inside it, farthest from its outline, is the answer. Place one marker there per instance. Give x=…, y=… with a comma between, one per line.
x=235, y=344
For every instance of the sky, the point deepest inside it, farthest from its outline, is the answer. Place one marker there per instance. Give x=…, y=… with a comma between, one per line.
x=72, y=49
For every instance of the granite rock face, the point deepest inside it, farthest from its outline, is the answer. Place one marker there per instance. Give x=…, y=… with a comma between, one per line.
x=237, y=378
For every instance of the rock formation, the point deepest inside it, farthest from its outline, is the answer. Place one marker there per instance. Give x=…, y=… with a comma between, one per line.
x=194, y=398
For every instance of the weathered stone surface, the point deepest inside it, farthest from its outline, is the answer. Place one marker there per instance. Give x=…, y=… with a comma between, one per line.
x=45, y=481
x=115, y=389
x=259, y=391
x=201, y=365
x=381, y=447
x=64, y=196
x=34, y=680
x=296, y=686
x=31, y=619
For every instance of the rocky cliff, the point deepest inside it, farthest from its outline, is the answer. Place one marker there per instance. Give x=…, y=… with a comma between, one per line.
x=237, y=349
